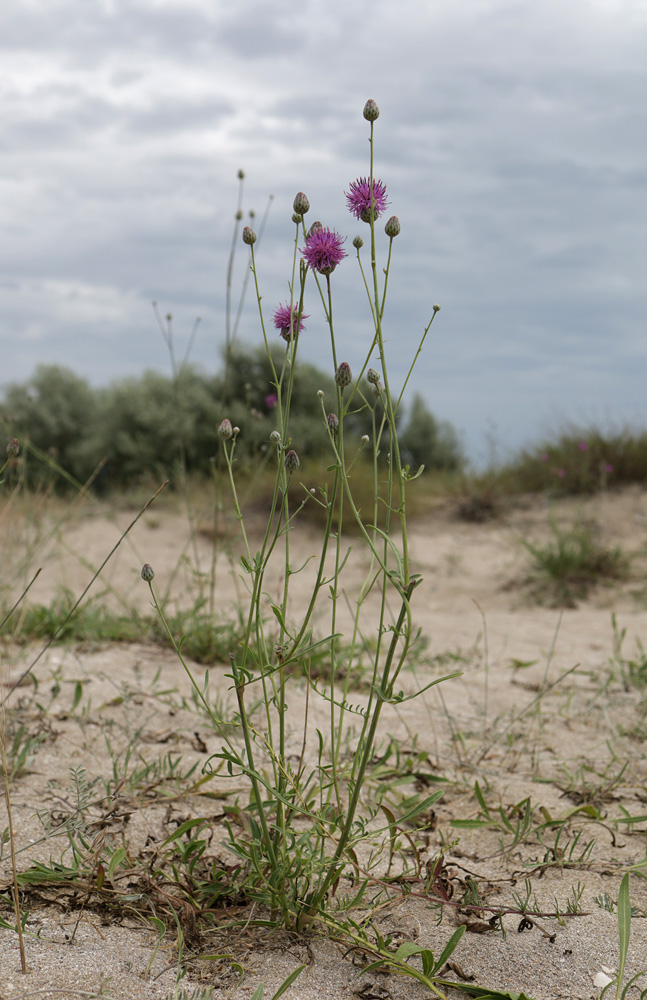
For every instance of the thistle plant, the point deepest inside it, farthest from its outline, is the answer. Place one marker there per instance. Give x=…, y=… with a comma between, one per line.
x=309, y=814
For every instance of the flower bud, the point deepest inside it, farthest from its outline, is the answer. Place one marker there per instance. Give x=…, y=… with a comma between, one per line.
x=343, y=375
x=291, y=460
x=13, y=448
x=436, y=308
x=225, y=431
x=236, y=431
x=301, y=205
x=373, y=376
x=371, y=111
x=333, y=422
x=364, y=439
x=392, y=228
x=241, y=175
x=147, y=573
x=316, y=227
x=275, y=437
x=249, y=236
x=297, y=218
x=320, y=394
x=358, y=242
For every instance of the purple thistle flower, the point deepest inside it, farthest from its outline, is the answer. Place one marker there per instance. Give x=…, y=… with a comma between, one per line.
x=583, y=446
x=271, y=401
x=359, y=198
x=285, y=318
x=323, y=250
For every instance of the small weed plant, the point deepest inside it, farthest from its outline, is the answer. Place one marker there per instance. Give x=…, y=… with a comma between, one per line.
x=571, y=563
x=312, y=837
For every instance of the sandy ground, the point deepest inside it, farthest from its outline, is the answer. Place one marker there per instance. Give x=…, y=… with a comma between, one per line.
x=566, y=755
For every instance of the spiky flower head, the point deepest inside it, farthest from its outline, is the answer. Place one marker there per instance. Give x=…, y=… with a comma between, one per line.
x=148, y=573
x=287, y=322
x=358, y=242
x=333, y=422
x=358, y=199
x=301, y=205
x=225, y=430
x=392, y=227
x=13, y=448
x=371, y=111
x=323, y=250
x=343, y=375
x=249, y=236
x=292, y=462
x=373, y=376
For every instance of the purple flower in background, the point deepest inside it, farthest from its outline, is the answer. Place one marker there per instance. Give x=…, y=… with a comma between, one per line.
x=583, y=446
x=284, y=316
x=608, y=468
x=543, y=458
x=359, y=198
x=271, y=400
x=560, y=472
x=323, y=250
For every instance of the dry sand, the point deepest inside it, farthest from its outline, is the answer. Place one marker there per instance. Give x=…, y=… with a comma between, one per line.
x=473, y=605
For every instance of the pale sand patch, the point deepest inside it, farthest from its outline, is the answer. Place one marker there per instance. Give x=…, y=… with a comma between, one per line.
x=465, y=599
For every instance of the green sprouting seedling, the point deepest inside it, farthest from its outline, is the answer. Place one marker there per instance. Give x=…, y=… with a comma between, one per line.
x=605, y=902
x=20, y=748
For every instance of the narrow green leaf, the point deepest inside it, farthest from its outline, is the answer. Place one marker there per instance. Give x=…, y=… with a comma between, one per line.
x=187, y=825
x=421, y=807
x=449, y=948
x=115, y=861
x=624, y=928
x=288, y=982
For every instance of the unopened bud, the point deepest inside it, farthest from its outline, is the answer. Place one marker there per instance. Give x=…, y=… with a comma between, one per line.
x=316, y=227
x=320, y=394
x=249, y=236
x=301, y=205
x=358, y=242
x=297, y=218
x=13, y=448
x=224, y=430
x=436, y=308
x=373, y=376
x=241, y=175
x=343, y=375
x=275, y=437
x=365, y=439
x=236, y=431
x=392, y=227
x=333, y=422
x=147, y=573
x=371, y=111
x=291, y=460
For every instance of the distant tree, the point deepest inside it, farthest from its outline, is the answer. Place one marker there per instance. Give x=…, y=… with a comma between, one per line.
x=428, y=441
x=54, y=410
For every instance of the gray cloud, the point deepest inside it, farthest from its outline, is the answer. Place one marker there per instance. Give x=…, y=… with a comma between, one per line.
x=511, y=139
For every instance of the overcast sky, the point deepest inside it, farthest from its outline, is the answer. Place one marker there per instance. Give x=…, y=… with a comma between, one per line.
x=512, y=140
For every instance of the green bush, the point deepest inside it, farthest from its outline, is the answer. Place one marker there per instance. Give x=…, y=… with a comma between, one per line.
x=153, y=426
x=54, y=410
x=430, y=442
